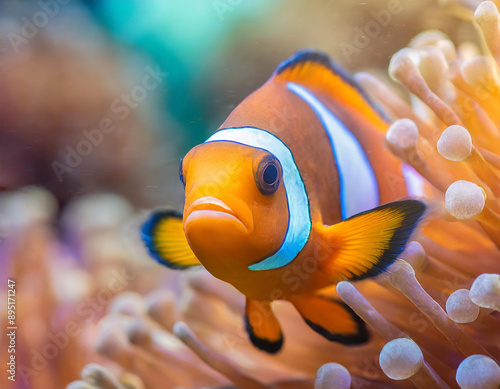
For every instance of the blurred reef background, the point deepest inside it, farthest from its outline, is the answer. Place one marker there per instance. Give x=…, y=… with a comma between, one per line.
x=99, y=100
x=63, y=77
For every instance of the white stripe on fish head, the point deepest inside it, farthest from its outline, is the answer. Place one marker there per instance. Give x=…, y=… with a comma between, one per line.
x=299, y=221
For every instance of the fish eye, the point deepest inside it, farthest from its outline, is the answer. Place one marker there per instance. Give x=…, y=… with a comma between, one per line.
x=181, y=176
x=268, y=175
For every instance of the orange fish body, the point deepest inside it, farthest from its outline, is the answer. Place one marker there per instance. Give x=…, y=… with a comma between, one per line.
x=284, y=200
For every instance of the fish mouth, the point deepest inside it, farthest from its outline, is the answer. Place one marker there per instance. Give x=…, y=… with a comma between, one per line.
x=209, y=207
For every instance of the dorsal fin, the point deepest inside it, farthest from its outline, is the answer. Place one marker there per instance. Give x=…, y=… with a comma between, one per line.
x=303, y=64
x=315, y=70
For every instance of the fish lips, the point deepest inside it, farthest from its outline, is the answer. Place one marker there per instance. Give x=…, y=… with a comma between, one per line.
x=214, y=212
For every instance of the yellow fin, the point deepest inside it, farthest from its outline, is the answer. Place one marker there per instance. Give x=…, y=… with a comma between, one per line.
x=164, y=237
x=262, y=326
x=367, y=243
x=332, y=319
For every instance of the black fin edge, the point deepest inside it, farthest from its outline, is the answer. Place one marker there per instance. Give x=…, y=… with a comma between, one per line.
x=414, y=211
x=147, y=232
x=362, y=335
x=320, y=57
x=263, y=344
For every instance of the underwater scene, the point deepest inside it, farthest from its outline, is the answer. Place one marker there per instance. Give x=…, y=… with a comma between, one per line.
x=249, y=194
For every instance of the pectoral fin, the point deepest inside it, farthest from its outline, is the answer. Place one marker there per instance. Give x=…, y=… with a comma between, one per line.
x=332, y=319
x=262, y=326
x=165, y=240
x=367, y=243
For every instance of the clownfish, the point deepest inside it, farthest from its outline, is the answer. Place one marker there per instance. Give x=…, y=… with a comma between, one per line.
x=292, y=194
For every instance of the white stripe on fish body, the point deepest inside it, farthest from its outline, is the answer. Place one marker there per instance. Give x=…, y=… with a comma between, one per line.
x=415, y=184
x=299, y=221
x=358, y=183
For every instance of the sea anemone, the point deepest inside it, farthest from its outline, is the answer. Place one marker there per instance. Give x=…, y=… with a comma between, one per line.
x=434, y=315
x=448, y=132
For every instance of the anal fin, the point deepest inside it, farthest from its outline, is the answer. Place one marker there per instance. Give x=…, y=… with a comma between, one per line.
x=332, y=319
